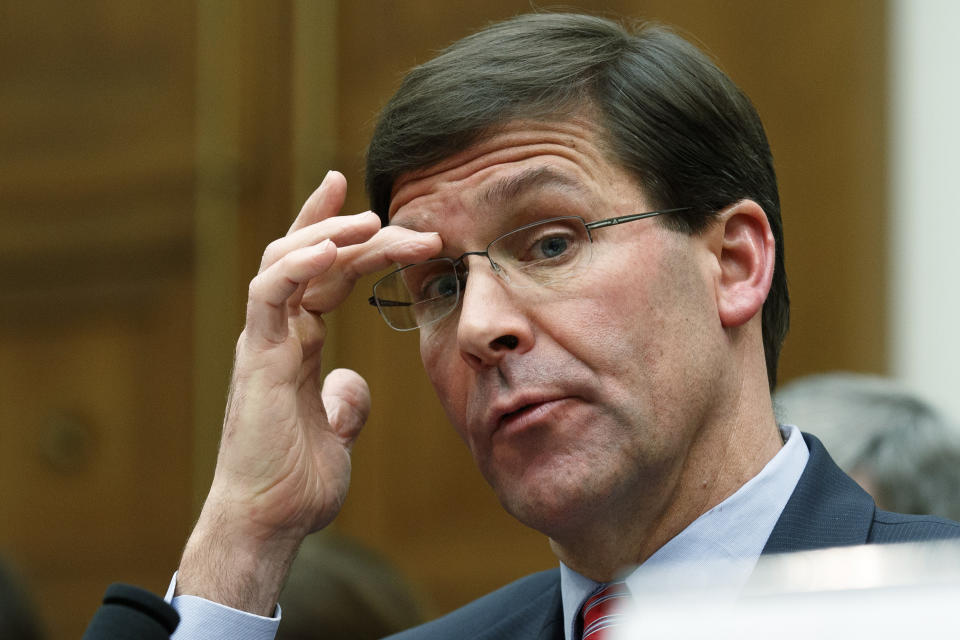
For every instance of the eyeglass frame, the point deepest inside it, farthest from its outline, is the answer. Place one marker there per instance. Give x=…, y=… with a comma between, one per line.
x=459, y=266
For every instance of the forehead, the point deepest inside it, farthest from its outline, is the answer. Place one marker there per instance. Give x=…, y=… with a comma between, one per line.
x=519, y=163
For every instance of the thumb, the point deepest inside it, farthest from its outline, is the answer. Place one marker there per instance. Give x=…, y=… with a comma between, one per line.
x=346, y=399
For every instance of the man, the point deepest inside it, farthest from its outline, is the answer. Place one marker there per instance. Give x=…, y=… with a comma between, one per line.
x=900, y=448
x=609, y=371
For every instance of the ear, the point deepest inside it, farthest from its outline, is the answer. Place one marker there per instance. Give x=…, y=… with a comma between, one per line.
x=743, y=245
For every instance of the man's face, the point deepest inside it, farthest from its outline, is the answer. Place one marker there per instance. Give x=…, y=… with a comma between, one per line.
x=577, y=399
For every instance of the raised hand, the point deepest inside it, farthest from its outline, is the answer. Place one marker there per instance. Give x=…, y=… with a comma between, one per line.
x=284, y=463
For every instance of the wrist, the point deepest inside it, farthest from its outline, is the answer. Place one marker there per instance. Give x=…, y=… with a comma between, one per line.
x=235, y=565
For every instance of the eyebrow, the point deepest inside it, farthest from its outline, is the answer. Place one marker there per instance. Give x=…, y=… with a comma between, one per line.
x=513, y=187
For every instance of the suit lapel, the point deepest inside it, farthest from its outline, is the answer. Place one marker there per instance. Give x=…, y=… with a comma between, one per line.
x=827, y=508
x=552, y=625
x=538, y=618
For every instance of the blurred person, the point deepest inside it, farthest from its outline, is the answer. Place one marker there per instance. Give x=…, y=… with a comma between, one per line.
x=339, y=589
x=896, y=445
x=18, y=617
x=586, y=223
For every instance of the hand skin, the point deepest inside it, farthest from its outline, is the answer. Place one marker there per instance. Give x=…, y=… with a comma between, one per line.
x=283, y=468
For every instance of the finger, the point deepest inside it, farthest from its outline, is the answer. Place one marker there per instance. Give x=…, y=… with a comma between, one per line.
x=386, y=246
x=269, y=291
x=391, y=245
x=325, y=202
x=343, y=230
x=346, y=399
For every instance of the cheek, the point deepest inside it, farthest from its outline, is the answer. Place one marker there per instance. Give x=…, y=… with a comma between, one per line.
x=621, y=324
x=624, y=349
x=445, y=369
x=645, y=332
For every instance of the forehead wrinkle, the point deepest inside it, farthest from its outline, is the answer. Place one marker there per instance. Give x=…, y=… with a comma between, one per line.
x=505, y=190
x=512, y=187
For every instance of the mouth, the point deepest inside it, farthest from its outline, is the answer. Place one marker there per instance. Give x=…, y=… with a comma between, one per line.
x=509, y=414
x=524, y=415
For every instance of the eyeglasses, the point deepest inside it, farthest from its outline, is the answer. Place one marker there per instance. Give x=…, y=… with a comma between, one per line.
x=545, y=254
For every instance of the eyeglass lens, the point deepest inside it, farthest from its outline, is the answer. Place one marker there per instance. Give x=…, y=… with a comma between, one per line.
x=544, y=253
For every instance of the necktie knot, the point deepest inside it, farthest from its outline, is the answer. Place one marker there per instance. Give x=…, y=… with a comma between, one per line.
x=603, y=610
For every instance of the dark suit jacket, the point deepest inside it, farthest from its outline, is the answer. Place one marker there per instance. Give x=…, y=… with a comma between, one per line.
x=827, y=509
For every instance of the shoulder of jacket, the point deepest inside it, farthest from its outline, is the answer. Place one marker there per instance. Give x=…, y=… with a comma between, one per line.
x=480, y=616
x=900, y=527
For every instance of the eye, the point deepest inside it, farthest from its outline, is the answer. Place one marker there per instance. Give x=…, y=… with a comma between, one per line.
x=553, y=246
x=550, y=244
x=438, y=286
x=428, y=280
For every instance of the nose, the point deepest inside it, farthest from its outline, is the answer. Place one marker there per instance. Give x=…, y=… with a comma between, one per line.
x=492, y=322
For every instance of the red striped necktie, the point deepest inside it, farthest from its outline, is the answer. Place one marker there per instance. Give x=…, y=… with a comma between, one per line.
x=603, y=611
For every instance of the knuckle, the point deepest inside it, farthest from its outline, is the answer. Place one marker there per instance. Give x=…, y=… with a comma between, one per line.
x=255, y=289
x=291, y=261
x=273, y=251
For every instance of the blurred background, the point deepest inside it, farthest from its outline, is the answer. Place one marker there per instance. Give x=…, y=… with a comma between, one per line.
x=149, y=150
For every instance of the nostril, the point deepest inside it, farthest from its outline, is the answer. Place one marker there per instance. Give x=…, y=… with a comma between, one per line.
x=508, y=341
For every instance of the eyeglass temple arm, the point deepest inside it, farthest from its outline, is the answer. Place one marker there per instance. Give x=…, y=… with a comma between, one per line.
x=387, y=303
x=609, y=222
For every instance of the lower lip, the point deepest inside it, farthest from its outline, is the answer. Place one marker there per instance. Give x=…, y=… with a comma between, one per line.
x=530, y=416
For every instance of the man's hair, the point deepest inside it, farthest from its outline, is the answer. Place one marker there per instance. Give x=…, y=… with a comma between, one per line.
x=667, y=114
x=874, y=426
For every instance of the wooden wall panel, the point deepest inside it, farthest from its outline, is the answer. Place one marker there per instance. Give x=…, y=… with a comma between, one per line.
x=96, y=419
x=96, y=259
x=244, y=169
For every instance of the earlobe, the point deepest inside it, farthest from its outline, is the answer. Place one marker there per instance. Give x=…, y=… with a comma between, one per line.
x=745, y=251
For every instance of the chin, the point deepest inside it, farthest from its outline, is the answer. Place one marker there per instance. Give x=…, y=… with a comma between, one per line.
x=549, y=498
